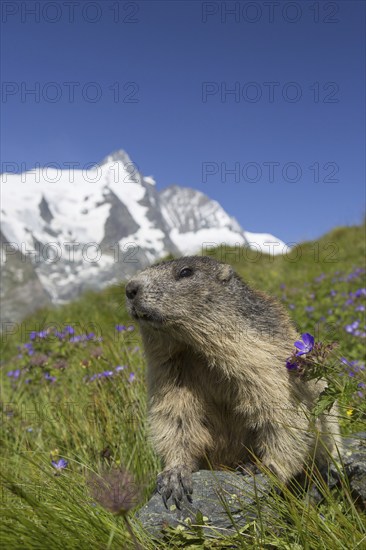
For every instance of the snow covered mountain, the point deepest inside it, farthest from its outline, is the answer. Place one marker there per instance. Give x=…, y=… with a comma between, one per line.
x=195, y=221
x=63, y=231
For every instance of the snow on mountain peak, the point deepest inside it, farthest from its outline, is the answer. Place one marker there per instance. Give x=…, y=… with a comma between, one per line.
x=117, y=156
x=113, y=219
x=150, y=180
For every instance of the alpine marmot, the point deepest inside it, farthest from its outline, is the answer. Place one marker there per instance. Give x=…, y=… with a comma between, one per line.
x=219, y=391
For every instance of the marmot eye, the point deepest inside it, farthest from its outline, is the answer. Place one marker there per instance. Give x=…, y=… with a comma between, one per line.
x=185, y=272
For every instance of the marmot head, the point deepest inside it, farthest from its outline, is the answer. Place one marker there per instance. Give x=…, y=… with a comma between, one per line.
x=190, y=290
x=197, y=299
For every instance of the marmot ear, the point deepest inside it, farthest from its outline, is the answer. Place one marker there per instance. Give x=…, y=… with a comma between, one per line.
x=225, y=273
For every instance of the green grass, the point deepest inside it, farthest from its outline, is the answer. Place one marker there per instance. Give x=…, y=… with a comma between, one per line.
x=101, y=424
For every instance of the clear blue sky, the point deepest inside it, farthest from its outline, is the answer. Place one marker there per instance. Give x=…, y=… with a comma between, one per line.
x=297, y=68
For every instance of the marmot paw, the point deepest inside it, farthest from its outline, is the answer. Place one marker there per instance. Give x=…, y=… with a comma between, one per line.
x=175, y=483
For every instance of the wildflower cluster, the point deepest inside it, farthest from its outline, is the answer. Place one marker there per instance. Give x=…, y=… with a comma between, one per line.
x=50, y=352
x=309, y=358
x=345, y=379
x=122, y=328
x=333, y=307
x=329, y=299
x=110, y=373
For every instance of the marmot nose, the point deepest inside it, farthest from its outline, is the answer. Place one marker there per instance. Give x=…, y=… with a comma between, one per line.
x=132, y=289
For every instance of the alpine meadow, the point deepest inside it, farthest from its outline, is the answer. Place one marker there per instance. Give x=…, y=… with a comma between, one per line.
x=77, y=464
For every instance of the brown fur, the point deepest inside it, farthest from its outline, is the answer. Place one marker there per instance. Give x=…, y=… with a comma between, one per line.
x=218, y=386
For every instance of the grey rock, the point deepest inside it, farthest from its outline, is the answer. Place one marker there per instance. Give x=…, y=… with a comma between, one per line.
x=219, y=496
x=354, y=463
x=119, y=223
x=21, y=291
x=226, y=499
x=189, y=210
x=44, y=211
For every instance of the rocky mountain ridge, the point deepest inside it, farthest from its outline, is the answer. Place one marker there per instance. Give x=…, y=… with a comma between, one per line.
x=64, y=231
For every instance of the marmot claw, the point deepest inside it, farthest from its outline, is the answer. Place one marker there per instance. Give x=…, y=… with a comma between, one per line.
x=175, y=483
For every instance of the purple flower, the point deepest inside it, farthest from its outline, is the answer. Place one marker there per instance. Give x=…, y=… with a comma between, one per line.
x=120, y=328
x=333, y=293
x=69, y=330
x=74, y=339
x=59, y=464
x=361, y=307
x=41, y=334
x=119, y=368
x=14, y=373
x=104, y=374
x=50, y=378
x=29, y=348
x=107, y=373
x=131, y=378
x=352, y=327
x=130, y=328
x=360, y=292
x=306, y=345
x=309, y=309
x=291, y=306
x=290, y=365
